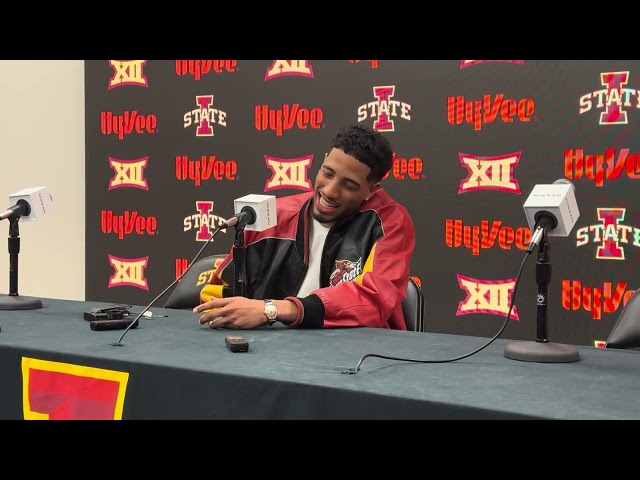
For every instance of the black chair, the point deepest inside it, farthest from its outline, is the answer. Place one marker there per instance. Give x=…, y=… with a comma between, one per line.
x=186, y=294
x=413, y=307
x=626, y=331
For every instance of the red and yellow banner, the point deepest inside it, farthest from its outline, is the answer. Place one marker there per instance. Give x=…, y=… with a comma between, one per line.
x=64, y=391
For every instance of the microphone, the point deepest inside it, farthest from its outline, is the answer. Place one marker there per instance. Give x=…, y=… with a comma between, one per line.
x=21, y=208
x=551, y=210
x=254, y=212
x=29, y=204
x=258, y=212
x=247, y=216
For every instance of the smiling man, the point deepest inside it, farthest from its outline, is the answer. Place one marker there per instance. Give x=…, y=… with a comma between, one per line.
x=338, y=257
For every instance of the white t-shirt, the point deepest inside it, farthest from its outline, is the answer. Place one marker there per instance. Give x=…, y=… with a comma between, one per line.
x=317, y=236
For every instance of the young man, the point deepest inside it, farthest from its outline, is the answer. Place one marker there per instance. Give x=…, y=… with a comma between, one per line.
x=338, y=257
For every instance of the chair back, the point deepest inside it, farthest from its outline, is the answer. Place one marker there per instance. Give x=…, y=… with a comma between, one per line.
x=186, y=294
x=413, y=307
x=626, y=331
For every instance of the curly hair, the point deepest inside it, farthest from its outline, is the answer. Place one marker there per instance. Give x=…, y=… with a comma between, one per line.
x=368, y=146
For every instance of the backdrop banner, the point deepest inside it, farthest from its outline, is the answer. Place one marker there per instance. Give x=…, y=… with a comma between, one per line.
x=171, y=143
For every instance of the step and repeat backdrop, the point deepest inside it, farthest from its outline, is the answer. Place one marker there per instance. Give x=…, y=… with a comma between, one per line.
x=171, y=143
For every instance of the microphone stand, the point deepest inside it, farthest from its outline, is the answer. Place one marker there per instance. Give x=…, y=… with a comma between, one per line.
x=14, y=301
x=239, y=262
x=542, y=351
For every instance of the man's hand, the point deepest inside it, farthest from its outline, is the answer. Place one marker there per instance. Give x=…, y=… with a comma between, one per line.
x=232, y=312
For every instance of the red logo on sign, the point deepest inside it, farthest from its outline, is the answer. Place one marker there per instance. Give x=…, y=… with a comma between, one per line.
x=127, y=123
x=205, y=116
x=373, y=63
x=205, y=168
x=384, y=109
x=402, y=168
x=129, y=173
x=613, y=97
x=127, y=223
x=577, y=164
x=286, y=117
x=281, y=68
x=611, y=234
x=197, y=68
x=128, y=72
x=487, y=296
x=486, y=111
x=595, y=300
x=489, y=173
x=129, y=272
x=204, y=221
x=468, y=63
x=289, y=173
x=482, y=237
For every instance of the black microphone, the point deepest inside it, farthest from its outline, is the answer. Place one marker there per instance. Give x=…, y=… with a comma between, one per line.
x=255, y=212
x=246, y=216
x=22, y=207
x=29, y=204
x=551, y=210
x=545, y=221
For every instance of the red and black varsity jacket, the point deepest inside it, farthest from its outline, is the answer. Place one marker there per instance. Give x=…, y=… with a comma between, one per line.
x=364, y=269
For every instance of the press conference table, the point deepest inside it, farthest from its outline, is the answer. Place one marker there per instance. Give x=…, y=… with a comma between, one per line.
x=176, y=369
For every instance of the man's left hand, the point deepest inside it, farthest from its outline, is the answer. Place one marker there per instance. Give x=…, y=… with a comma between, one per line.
x=232, y=312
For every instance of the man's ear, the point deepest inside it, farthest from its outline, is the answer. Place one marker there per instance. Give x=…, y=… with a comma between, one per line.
x=373, y=189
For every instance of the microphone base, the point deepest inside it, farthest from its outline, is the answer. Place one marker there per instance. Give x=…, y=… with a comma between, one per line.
x=541, y=352
x=17, y=302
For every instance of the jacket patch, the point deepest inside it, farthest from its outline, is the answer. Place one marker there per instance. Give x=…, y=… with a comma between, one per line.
x=345, y=271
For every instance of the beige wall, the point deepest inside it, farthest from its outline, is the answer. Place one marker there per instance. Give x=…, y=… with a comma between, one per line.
x=42, y=144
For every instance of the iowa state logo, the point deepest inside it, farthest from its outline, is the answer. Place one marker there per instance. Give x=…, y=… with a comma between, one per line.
x=614, y=98
x=205, y=116
x=384, y=109
x=345, y=271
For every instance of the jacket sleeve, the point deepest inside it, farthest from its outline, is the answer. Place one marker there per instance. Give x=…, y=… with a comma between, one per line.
x=377, y=292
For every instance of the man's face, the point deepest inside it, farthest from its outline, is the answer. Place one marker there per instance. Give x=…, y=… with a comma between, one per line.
x=341, y=186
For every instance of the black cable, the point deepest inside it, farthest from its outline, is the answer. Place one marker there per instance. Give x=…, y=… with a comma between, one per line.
x=136, y=320
x=353, y=371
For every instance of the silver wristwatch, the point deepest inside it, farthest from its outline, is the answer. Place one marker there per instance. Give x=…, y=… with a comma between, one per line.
x=270, y=311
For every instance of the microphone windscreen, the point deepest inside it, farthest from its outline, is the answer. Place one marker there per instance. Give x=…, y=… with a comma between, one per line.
x=565, y=181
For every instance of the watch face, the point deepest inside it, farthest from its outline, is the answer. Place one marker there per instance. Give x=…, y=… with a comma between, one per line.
x=270, y=311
